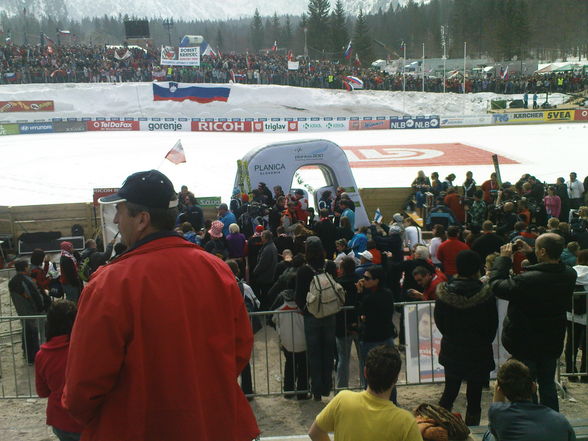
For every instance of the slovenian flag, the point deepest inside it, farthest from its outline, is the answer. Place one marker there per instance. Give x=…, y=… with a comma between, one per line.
x=347, y=53
x=176, y=92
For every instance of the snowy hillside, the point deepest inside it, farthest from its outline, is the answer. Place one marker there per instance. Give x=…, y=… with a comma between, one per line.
x=136, y=100
x=202, y=10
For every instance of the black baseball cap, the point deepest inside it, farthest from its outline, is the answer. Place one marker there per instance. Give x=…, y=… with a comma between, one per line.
x=150, y=188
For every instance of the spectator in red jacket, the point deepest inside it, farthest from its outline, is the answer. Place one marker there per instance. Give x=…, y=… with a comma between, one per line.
x=428, y=281
x=50, y=364
x=448, y=251
x=453, y=201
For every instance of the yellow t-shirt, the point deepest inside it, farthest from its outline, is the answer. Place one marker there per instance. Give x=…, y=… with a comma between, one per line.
x=361, y=416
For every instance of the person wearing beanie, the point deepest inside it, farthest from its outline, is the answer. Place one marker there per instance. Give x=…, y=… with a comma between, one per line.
x=467, y=317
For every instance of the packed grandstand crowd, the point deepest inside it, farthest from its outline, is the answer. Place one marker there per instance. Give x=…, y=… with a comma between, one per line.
x=79, y=63
x=488, y=239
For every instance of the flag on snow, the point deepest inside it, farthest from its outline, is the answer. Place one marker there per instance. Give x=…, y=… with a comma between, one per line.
x=504, y=74
x=357, y=61
x=290, y=56
x=275, y=46
x=378, y=216
x=347, y=53
x=352, y=83
x=176, y=154
x=200, y=94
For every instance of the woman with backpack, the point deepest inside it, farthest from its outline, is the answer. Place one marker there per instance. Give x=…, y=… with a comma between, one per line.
x=319, y=332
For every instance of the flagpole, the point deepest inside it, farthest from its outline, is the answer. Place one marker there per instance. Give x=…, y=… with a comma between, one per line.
x=444, y=56
x=423, y=67
x=404, y=78
x=465, y=48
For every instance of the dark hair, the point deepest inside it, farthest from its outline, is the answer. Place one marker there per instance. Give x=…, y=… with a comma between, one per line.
x=377, y=272
x=382, y=366
x=186, y=226
x=234, y=266
x=60, y=318
x=37, y=257
x=324, y=212
x=582, y=257
x=363, y=229
x=298, y=260
x=439, y=230
x=314, y=252
x=267, y=235
x=487, y=225
x=453, y=231
x=421, y=271
x=161, y=218
x=479, y=194
x=552, y=243
x=21, y=265
x=514, y=378
x=520, y=226
x=468, y=263
x=371, y=244
x=348, y=265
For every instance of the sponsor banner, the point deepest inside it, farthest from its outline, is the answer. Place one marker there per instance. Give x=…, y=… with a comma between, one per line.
x=69, y=126
x=180, y=56
x=168, y=126
x=581, y=115
x=559, y=115
x=9, y=129
x=517, y=117
x=280, y=126
x=27, y=106
x=293, y=65
x=480, y=120
x=414, y=122
x=209, y=201
x=370, y=124
x=322, y=126
x=102, y=192
x=112, y=125
x=225, y=126
x=38, y=127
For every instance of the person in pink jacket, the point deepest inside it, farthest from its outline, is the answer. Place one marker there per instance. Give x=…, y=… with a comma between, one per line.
x=50, y=363
x=552, y=203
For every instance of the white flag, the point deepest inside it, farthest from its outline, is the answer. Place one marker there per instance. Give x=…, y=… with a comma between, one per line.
x=176, y=154
x=378, y=216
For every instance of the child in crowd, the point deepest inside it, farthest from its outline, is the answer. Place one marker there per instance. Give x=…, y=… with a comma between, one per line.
x=50, y=364
x=290, y=327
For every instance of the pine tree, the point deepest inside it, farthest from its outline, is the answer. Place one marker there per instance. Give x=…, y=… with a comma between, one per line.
x=257, y=33
x=276, y=29
x=220, y=42
x=286, y=36
x=339, y=34
x=318, y=25
x=362, y=40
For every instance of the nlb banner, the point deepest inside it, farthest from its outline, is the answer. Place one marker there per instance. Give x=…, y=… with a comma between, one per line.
x=9, y=129
x=581, y=115
x=165, y=126
x=559, y=115
x=414, y=122
x=180, y=56
x=31, y=128
x=112, y=125
x=224, y=126
x=370, y=124
x=27, y=106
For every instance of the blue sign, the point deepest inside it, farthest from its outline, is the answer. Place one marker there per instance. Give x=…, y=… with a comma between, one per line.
x=39, y=127
x=414, y=122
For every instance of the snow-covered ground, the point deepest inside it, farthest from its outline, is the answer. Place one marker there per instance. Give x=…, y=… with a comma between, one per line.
x=245, y=101
x=55, y=168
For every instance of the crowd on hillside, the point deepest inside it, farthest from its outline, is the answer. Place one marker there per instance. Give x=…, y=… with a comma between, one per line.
x=526, y=243
x=78, y=63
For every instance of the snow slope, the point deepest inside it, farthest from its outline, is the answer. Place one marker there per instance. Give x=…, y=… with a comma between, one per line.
x=55, y=168
x=136, y=100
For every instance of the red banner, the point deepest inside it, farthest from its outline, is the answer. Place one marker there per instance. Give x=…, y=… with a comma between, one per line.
x=371, y=124
x=222, y=126
x=112, y=125
x=101, y=192
x=27, y=106
x=582, y=115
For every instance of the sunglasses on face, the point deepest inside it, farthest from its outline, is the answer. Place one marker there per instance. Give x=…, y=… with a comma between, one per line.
x=368, y=278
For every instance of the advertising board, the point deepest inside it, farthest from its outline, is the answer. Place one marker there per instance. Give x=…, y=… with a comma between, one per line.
x=559, y=115
x=165, y=126
x=69, y=126
x=370, y=124
x=112, y=125
x=38, y=127
x=414, y=122
x=223, y=126
x=9, y=129
x=322, y=126
x=581, y=115
x=27, y=106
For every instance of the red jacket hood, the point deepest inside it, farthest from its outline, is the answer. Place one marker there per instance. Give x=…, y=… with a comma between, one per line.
x=56, y=343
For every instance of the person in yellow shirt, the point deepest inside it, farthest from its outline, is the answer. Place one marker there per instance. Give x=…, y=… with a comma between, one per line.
x=368, y=415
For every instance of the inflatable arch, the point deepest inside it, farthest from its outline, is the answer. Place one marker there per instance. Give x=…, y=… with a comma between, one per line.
x=276, y=164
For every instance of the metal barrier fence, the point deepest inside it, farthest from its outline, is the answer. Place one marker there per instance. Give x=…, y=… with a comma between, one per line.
x=20, y=337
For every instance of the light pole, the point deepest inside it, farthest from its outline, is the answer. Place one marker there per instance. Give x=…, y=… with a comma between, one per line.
x=168, y=24
x=444, y=44
x=305, y=46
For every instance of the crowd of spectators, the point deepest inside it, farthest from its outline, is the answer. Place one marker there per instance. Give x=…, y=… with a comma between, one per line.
x=85, y=64
x=526, y=243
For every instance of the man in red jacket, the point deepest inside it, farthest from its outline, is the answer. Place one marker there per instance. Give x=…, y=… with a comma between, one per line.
x=161, y=335
x=448, y=251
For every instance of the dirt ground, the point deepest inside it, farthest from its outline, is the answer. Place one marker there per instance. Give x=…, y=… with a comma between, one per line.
x=24, y=418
